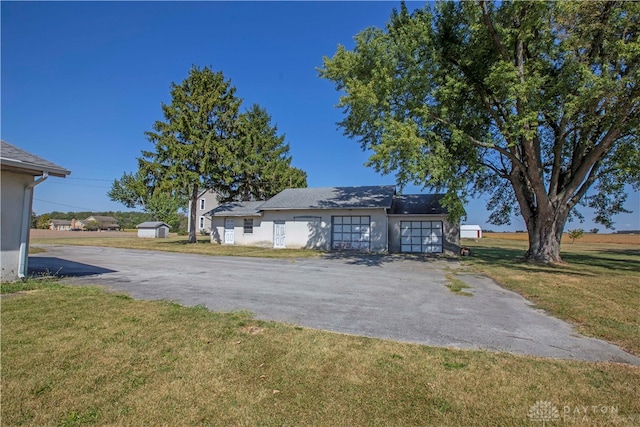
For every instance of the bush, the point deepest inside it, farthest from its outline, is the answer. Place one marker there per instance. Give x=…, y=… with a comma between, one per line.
x=576, y=234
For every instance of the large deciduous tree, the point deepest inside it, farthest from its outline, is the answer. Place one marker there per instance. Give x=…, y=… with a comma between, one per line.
x=535, y=103
x=263, y=167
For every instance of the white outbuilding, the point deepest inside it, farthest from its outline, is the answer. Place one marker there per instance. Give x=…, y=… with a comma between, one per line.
x=468, y=231
x=153, y=229
x=21, y=171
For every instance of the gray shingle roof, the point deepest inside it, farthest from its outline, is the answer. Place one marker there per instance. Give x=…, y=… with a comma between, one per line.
x=332, y=198
x=152, y=224
x=60, y=221
x=102, y=218
x=16, y=159
x=416, y=204
x=237, y=209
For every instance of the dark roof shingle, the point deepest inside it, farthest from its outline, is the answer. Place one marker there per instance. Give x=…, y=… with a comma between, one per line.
x=16, y=159
x=379, y=196
x=418, y=204
x=152, y=224
x=237, y=209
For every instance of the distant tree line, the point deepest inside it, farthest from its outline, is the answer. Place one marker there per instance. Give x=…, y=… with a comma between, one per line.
x=126, y=220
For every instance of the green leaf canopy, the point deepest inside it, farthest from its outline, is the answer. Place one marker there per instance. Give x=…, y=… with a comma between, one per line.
x=534, y=103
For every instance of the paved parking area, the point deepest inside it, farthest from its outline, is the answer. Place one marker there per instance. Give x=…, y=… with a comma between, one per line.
x=377, y=296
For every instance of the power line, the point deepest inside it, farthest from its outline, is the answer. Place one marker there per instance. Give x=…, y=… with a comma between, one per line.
x=62, y=204
x=72, y=184
x=89, y=179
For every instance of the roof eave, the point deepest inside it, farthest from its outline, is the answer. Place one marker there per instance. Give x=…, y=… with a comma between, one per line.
x=19, y=166
x=326, y=208
x=234, y=214
x=419, y=214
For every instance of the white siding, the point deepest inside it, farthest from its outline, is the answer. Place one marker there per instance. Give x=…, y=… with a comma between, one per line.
x=147, y=232
x=303, y=228
x=207, y=201
x=470, y=231
x=13, y=193
x=152, y=233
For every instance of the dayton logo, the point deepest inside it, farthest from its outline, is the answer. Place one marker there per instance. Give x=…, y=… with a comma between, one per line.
x=543, y=411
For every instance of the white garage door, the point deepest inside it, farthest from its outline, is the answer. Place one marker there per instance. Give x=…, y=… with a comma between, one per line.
x=351, y=232
x=421, y=236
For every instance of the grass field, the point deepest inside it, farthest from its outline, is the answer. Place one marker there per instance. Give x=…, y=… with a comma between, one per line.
x=171, y=244
x=101, y=358
x=598, y=290
x=587, y=238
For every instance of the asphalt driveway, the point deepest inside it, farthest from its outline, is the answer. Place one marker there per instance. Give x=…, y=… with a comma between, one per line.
x=376, y=296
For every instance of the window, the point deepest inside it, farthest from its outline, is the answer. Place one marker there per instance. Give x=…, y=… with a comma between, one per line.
x=202, y=204
x=201, y=223
x=421, y=236
x=351, y=232
x=248, y=226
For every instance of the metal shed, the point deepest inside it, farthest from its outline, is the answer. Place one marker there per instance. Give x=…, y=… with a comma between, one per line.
x=153, y=229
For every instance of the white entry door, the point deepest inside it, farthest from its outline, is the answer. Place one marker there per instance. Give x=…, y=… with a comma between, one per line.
x=228, y=231
x=278, y=234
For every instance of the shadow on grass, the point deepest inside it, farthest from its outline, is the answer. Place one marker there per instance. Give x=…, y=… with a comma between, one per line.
x=608, y=259
x=185, y=241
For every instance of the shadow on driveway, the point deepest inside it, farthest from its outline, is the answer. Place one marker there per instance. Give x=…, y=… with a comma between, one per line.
x=52, y=266
x=378, y=260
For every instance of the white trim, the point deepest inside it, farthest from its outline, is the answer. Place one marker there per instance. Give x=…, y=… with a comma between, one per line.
x=27, y=208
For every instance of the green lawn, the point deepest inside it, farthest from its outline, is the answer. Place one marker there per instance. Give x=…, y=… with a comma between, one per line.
x=598, y=290
x=82, y=356
x=179, y=244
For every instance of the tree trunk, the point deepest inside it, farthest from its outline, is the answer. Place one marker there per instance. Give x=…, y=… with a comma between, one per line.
x=545, y=235
x=193, y=200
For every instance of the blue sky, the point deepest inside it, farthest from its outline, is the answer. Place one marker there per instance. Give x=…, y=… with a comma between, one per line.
x=83, y=81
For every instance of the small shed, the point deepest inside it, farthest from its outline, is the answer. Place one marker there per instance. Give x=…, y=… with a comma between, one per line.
x=153, y=229
x=468, y=231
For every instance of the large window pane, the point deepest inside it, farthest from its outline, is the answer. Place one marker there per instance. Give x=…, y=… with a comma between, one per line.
x=351, y=232
x=421, y=236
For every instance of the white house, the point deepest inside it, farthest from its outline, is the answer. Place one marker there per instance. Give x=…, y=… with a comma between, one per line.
x=60, y=224
x=153, y=229
x=371, y=218
x=19, y=171
x=207, y=200
x=468, y=231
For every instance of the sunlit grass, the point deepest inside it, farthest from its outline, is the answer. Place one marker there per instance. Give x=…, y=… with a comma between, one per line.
x=83, y=356
x=180, y=244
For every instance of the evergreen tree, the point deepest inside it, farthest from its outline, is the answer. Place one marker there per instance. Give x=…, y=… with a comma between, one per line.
x=263, y=164
x=194, y=144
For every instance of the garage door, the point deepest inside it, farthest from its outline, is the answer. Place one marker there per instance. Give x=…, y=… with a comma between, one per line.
x=421, y=236
x=351, y=232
